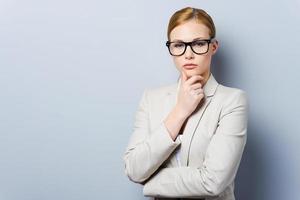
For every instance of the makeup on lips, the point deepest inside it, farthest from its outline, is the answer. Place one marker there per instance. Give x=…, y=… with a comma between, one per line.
x=190, y=66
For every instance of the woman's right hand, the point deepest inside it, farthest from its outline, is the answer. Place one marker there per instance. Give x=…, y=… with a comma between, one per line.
x=190, y=94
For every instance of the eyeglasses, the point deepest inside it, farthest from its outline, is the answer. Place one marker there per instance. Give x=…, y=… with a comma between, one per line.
x=198, y=47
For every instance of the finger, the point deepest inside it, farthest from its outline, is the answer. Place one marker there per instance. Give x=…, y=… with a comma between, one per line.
x=196, y=86
x=194, y=78
x=199, y=91
x=183, y=76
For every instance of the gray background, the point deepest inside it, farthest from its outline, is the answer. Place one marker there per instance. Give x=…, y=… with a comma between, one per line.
x=72, y=73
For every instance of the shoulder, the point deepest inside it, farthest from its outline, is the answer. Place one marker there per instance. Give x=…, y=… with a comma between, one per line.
x=160, y=91
x=226, y=91
x=231, y=96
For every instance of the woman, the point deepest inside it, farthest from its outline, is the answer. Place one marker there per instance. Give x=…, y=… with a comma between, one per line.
x=189, y=137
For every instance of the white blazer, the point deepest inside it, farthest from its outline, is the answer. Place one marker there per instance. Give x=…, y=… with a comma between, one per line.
x=211, y=146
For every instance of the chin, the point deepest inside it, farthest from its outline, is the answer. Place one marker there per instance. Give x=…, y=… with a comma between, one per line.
x=193, y=73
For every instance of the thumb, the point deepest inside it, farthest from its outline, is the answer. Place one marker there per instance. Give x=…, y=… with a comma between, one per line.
x=183, y=76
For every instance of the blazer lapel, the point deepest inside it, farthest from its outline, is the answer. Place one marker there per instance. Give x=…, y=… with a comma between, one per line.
x=194, y=119
x=190, y=129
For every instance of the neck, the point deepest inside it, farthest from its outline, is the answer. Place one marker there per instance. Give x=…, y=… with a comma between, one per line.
x=206, y=77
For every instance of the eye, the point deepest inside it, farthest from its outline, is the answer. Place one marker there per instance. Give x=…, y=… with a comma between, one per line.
x=199, y=43
x=178, y=45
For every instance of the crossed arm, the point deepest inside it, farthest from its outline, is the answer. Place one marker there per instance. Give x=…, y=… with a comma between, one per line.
x=147, y=151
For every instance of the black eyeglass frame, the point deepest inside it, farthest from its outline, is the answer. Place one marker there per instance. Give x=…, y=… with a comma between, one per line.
x=168, y=43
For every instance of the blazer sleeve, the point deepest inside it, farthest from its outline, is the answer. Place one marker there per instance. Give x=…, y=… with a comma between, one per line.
x=147, y=149
x=221, y=159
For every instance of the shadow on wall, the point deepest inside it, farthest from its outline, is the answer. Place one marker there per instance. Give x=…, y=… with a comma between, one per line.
x=252, y=173
x=221, y=67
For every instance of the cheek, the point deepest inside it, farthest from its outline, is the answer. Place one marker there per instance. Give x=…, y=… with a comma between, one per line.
x=178, y=62
x=204, y=61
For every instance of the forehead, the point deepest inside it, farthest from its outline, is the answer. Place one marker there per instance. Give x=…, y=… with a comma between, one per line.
x=189, y=30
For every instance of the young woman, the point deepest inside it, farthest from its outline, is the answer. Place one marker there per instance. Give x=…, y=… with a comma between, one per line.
x=189, y=137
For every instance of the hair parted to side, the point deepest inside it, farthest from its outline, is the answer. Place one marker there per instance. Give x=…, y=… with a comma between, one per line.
x=189, y=13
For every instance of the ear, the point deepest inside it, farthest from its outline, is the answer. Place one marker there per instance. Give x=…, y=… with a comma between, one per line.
x=215, y=46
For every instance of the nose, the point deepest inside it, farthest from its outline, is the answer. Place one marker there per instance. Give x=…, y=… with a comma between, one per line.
x=189, y=54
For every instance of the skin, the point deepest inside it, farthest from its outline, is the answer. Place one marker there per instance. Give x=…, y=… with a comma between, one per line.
x=192, y=80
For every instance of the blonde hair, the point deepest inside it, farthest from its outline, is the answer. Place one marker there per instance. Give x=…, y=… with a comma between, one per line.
x=189, y=13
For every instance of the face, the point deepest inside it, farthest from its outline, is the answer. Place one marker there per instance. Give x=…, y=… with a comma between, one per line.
x=188, y=32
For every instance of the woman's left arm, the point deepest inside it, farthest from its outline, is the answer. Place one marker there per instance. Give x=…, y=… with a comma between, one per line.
x=221, y=160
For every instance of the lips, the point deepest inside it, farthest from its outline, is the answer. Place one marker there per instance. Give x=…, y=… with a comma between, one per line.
x=190, y=66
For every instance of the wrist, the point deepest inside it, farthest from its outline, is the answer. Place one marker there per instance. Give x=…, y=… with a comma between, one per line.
x=179, y=113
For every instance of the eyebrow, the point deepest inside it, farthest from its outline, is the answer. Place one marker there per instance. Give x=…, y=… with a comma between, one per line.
x=177, y=40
